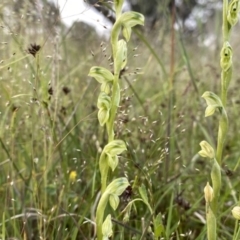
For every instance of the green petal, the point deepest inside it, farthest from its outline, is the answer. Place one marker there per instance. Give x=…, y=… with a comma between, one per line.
x=102, y=75
x=117, y=186
x=103, y=116
x=121, y=56
x=107, y=227
x=112, y=161
x=207, y=150
x=114, y=201
x=115, y=147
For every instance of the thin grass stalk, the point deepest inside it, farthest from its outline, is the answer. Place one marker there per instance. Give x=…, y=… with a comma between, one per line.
x=171, y=140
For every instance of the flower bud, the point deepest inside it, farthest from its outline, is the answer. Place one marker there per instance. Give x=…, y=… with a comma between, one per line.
x=226, y=56
x=236, y=212
x=109, y=158
x=233, y=10
x=103, y=76
x=208, y=193
x=207, y=150
x=213, y=102
x=113, y=149
x=129, y=20
x=107, y=227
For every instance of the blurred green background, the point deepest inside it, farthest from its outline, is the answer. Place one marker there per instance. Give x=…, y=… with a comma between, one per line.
x=51, y=140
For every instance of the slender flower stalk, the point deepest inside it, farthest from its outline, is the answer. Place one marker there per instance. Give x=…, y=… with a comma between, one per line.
x=225, y=32
x=108, y=103
x=218, y=104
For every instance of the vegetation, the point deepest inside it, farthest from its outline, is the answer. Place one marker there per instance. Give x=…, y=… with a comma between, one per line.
x=51, y=140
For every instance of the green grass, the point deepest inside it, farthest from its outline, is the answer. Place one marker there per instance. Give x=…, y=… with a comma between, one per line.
x=44, y=137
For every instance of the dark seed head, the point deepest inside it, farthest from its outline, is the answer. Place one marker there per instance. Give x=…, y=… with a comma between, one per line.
x=66, y=90
x=127, y=194
x=50, y=91
x=33, y=49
